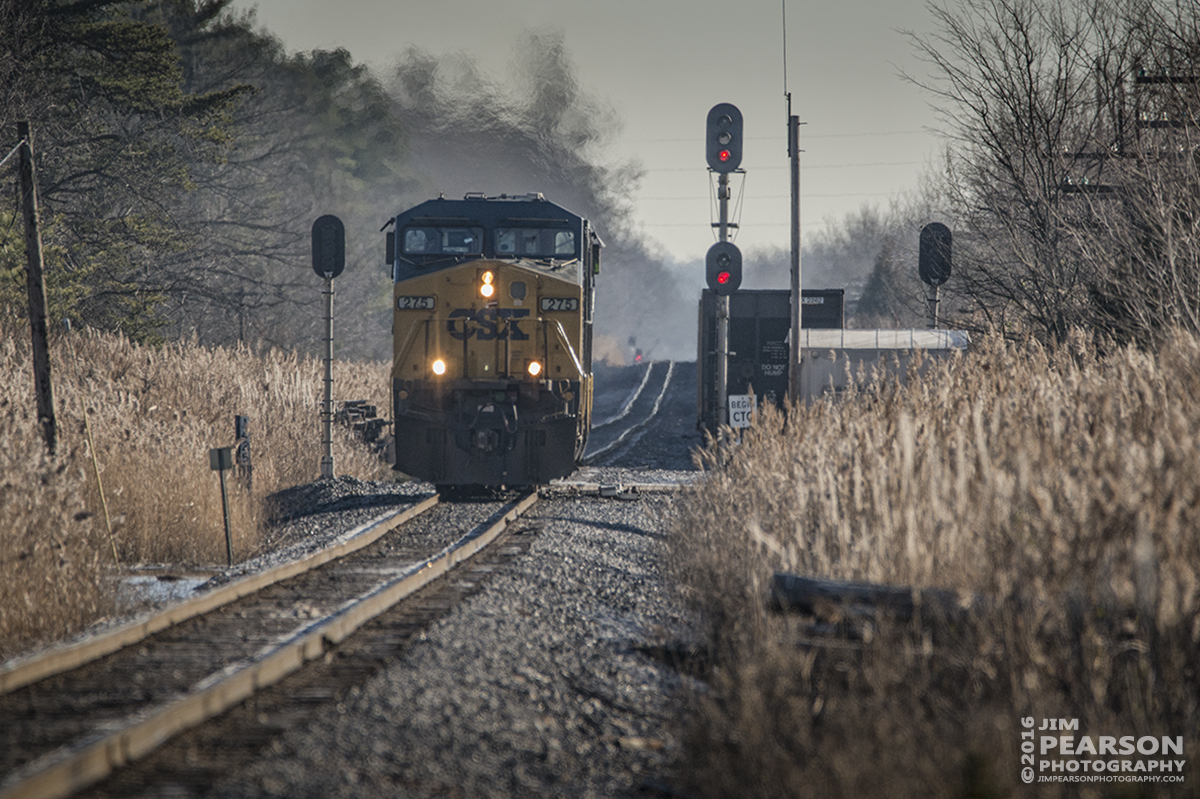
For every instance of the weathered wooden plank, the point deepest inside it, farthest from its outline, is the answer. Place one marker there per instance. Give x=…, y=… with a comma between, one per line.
x=792, y=592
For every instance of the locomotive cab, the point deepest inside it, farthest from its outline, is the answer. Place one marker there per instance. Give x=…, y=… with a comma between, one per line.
x=491, y=373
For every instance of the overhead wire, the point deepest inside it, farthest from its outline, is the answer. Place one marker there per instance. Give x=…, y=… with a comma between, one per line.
x=858, y=134
x=777, y=168
x=11, y=153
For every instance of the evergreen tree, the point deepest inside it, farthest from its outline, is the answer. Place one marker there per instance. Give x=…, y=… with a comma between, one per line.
x=115, y=137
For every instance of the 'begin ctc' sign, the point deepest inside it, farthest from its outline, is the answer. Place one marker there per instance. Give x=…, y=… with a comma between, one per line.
x=741, y=410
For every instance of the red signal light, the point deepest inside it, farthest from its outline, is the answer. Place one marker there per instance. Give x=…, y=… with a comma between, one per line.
x=723, y=155
x=722, y=277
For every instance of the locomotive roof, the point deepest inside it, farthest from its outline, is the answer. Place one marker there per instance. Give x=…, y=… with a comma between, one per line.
x=490, y=211
x=529, y=229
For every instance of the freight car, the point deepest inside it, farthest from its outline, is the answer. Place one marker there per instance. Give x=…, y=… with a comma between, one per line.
x=492, y=336
x=759, y=322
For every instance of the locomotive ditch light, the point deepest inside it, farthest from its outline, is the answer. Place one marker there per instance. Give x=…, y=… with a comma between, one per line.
x=534, y=368
x=438, y=367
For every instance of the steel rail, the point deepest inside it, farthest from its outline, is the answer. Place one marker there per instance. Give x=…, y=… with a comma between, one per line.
x=624, y=437
x=23, y=671
x=589, y=488
x=633, y=396
x=70, y=769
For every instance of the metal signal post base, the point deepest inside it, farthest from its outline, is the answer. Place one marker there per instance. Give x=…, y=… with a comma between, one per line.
x=327, y=402
x=723, y=311
x=722, y=360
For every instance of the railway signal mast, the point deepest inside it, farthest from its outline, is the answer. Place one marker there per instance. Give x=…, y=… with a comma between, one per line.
x=723, y=263
x=328, y=259
x=934, y=265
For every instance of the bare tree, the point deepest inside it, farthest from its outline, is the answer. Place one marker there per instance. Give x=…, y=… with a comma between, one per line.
x=1143, y=223
x=1073, y=184
x=1013, y=77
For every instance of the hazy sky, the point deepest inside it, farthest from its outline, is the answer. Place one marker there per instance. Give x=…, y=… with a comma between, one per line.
x=663, y=63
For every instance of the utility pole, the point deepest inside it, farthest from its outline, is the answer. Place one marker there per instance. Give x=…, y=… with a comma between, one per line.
x=36, y=284
x=797, y=296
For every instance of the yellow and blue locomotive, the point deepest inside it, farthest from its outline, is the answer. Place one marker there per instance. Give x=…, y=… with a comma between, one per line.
x=492, y=336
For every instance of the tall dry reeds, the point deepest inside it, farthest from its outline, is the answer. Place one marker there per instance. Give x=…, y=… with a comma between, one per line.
x=1060, y=490
x=154, y=413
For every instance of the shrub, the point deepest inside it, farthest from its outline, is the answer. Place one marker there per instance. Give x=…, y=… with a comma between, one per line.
x=1060, y=486
x=153, y=413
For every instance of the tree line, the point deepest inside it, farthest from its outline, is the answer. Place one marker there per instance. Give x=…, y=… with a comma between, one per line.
x=183, y=153
x=1070, y=175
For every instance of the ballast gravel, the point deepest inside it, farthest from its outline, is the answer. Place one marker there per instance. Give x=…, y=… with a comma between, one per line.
x=539, y=684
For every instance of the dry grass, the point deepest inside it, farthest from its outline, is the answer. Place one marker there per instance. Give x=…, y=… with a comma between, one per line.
x=154, y=414
x=1063, y=487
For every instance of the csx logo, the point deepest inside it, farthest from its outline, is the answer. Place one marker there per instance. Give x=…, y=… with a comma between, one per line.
x=488, y=324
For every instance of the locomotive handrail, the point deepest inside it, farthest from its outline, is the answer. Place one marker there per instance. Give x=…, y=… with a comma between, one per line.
x=562, y=337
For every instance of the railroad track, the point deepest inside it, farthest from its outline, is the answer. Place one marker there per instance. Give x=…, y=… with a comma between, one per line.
x=639, y=410
x=73, y=716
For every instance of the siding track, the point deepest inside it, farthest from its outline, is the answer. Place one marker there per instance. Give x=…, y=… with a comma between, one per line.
x=640, y=411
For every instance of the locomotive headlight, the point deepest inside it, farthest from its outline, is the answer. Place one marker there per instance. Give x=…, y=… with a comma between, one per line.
x=534, y=368
x=438, y=367
x=486, y=288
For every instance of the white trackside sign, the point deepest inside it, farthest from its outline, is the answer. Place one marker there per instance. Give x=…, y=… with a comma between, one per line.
x=741, y=410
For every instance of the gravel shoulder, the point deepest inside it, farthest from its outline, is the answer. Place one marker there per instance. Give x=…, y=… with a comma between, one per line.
x=537, y=685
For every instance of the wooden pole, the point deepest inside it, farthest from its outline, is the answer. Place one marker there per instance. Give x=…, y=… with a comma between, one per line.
x=797, y=283
x=36, y=283
x=225, y=511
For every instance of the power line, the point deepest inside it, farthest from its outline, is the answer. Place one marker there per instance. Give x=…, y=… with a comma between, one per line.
x=763, y=197
x=856, y=135
x=744, y=226
x=777, y=168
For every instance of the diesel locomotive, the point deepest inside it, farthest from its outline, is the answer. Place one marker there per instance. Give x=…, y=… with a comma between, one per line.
x=492, y=336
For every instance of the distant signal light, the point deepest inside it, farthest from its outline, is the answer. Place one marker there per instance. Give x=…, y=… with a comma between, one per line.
x=723, y=138
x=723, y=268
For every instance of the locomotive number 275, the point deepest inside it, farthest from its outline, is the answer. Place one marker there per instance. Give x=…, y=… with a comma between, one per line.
x=560, y=304
x=415, y=303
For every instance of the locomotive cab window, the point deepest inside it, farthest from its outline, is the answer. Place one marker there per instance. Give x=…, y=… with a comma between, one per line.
x=466, y=240
x=535, y=242
x=421, y=239
x=433, y=240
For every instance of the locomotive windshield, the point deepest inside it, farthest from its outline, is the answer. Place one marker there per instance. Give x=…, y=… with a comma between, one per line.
x=536, y=242
x=433, y=240
x=441, y=233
